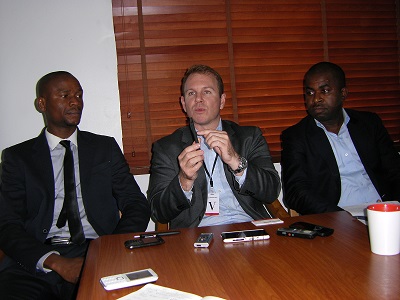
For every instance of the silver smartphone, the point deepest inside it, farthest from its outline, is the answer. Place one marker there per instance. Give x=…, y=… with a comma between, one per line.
x=244, y=235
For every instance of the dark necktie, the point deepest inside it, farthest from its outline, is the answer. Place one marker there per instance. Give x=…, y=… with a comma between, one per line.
x=70, y=208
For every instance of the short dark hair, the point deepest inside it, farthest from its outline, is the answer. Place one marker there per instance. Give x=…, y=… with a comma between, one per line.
x=326, y=66
x=41, y=85
x=202, y=69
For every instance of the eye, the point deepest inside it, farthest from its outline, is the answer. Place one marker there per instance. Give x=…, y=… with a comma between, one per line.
x=325, y=91
x=310, y=92
x=191, y=93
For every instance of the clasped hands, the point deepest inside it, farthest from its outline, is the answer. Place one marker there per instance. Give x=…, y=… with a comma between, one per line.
x=192, y=157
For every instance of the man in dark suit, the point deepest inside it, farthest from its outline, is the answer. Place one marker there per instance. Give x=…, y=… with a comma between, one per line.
x=224, y=176
x=335, y=157
x=42, y=261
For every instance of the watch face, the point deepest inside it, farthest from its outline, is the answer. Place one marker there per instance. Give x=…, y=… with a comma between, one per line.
x=242, y=165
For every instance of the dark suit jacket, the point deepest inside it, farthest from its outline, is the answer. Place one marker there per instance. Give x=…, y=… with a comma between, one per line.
x=28, y=193
x=310, y=175
x=169, y=203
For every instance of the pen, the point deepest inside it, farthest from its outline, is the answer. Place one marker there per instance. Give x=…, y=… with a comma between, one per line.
x=153, y=234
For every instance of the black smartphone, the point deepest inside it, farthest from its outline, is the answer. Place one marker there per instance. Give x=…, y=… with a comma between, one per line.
x=320, y=230
x=193, y=130
x=295, y=232
x=144, y=242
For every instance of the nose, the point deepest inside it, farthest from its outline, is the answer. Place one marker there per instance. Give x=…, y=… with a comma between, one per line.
x=317, y=98
x=74, y=100
x=199, y=98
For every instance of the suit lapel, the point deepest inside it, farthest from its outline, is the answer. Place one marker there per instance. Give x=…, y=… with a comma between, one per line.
x=320, y=143
x=43, y=166
x=360, y=141
x=86, y=151
x=42, y=160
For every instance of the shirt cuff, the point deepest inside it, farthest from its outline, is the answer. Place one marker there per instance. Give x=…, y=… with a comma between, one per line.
x=240, y=179
x=188, y=194
x=39, y=265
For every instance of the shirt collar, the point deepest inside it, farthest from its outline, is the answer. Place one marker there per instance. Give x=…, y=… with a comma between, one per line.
x=219, y=127
x=345, y=117
x=53, y=140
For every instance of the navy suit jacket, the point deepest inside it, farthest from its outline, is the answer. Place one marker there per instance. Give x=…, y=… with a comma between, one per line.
x=169, y=203
x=310, y=175
x=28, y=194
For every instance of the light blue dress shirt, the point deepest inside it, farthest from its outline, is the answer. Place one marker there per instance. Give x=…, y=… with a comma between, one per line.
x=357, y=187
x=230, y=210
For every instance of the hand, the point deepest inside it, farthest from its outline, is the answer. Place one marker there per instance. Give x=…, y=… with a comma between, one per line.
x=190, y=160
x=220, y=142
x=68, y=268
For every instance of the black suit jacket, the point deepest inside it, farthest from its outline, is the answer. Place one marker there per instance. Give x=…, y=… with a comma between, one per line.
x=169, y=203
x=310, y=175
x=28, y=193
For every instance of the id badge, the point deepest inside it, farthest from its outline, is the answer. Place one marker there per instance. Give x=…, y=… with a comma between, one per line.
x=212, y=208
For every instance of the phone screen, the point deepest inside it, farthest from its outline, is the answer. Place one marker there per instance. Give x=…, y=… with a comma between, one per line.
x=139, y=275
x=243, y=234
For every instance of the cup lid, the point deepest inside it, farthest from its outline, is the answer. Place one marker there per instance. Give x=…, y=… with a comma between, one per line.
x=384, y=207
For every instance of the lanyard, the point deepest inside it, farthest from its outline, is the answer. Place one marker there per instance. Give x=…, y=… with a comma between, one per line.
x=212, y=171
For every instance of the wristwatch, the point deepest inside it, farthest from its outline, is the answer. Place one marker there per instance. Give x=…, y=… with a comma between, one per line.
x=241, y=167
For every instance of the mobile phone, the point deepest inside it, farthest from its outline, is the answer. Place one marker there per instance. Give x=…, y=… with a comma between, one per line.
x=244, y=235
x=295, y=232
x=320, y=230
x=204, y=240
x=144, y=242
x=193, y=130
x=128, y=279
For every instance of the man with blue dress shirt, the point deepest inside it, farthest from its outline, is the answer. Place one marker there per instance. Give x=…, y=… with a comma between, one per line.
x=216, y=172
x=336, y=158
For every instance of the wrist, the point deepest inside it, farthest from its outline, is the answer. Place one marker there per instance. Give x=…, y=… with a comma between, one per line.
x=186, y=184
x=241, y=166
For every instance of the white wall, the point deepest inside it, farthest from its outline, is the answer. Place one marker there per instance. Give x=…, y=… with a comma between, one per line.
x=41, y=36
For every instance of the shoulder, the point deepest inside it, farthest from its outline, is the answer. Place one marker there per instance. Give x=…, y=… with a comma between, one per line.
x=174, y=137
x=28, y=145
x=232, y=127
x=299, y=127
x=362, y=116
x=93, y=137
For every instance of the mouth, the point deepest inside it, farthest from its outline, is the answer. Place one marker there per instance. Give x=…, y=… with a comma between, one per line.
x=199, y=109
x=74, y=112
x=318, y=109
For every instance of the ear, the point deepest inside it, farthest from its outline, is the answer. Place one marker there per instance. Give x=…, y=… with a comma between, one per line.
x=40, y=104
x=344, y=92
x=222, y=105
x=183, y=103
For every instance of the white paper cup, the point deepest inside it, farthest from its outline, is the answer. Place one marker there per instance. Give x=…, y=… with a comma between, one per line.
x=384, y=228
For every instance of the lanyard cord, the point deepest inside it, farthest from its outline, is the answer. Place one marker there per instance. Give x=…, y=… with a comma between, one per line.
x=212, y=171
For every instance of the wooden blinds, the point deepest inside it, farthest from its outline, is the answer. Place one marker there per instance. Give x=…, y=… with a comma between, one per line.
x=261, y=49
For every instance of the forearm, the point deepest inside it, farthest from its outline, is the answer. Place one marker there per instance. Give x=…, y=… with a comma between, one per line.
x=167, y=199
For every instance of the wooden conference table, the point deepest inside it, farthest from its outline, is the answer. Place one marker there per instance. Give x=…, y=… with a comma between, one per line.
x=337, y=267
